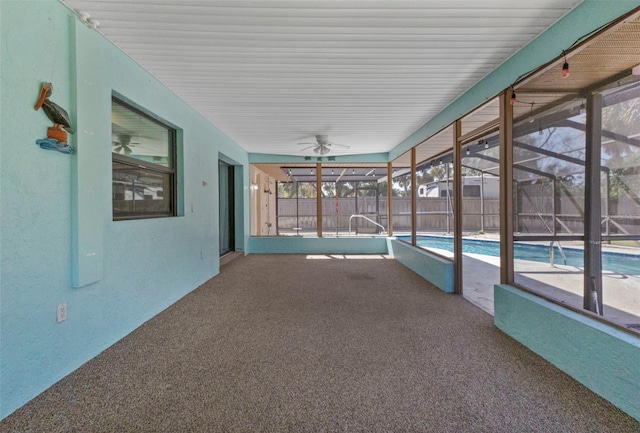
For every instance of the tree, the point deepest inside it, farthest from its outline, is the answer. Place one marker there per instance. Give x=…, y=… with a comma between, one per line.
x=287, y=189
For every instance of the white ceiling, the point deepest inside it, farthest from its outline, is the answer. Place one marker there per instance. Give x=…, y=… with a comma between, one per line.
x=272, y=73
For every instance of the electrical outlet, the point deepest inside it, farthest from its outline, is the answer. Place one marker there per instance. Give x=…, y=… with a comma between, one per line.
x=62, y=312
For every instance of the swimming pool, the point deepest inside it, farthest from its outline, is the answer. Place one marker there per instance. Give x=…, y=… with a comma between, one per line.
x=628, y=264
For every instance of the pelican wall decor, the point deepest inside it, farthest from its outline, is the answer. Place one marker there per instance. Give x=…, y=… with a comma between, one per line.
x=56, y=134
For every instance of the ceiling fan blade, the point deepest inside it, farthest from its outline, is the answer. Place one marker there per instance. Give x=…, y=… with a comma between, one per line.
x=341, y=145
x=309, y=147
x=315, y=144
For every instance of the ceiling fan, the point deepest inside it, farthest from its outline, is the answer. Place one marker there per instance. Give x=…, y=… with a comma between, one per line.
x=322, y=146
x=122, y=145
x=125, y=145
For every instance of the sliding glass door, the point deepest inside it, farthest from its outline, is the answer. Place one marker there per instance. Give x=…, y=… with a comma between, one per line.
x=227, y=208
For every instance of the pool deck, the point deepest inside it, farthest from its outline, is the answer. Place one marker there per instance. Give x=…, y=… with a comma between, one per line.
x=621, y=293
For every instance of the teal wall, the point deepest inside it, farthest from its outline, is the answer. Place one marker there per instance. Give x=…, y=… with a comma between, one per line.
x=261, y=158
x=437, y=270
x=602, y=358
x=58, y=241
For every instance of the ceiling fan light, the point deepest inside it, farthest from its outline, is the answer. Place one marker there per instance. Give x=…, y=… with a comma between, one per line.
x=321, y=150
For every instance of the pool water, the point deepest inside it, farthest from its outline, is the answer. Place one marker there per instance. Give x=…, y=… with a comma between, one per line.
x=627, y=264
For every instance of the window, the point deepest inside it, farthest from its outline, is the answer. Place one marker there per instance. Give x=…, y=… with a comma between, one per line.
x=470, y=190
x=446, y=193
x=144, y=164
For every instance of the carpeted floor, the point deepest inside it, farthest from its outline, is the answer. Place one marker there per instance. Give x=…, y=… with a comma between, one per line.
x=288, y=343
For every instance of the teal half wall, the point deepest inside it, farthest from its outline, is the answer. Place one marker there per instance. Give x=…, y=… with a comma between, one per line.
x=59, y=243
x=604, y=359
x=437, y=270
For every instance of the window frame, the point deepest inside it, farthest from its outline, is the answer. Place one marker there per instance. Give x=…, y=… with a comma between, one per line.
x=136, y=163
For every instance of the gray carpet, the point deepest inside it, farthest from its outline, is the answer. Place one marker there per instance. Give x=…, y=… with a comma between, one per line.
x=284, y=343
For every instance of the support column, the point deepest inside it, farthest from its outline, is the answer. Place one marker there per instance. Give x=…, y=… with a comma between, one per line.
x=506, y=188
x=319, y=198
x=414, y=194
x=378, y=203
x=557, y=203
x=449, y=204
x=481, y=201
x=457, y=208
x=607, y=204
x=518, y=206
x=592, y=207
x=389, y=199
